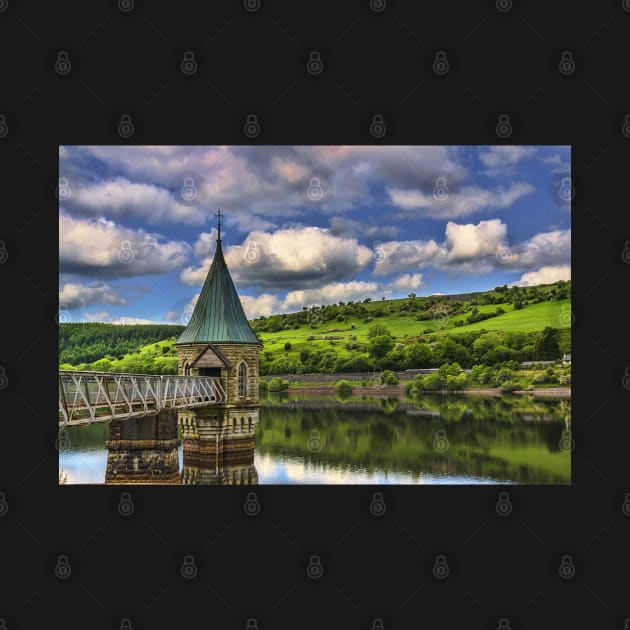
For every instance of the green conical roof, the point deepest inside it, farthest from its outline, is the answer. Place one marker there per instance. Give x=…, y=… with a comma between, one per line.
x=218, y=315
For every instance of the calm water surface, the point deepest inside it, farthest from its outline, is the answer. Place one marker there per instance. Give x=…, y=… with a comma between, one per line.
x=426, y=440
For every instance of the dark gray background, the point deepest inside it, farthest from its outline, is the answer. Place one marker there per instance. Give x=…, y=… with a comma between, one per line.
x=255, y=62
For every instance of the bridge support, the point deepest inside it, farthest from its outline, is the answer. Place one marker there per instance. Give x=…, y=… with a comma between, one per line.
x=143, y=450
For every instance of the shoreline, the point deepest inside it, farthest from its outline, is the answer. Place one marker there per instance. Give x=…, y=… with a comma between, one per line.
x=551, y=392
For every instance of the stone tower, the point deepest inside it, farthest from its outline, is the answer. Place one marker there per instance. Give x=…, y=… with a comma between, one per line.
x=219, y=342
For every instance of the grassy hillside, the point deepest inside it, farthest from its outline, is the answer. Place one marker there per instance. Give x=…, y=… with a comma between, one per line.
x=90, y=341
x=494, y=328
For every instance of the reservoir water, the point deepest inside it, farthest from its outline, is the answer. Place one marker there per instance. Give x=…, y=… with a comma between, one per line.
x=430, y=439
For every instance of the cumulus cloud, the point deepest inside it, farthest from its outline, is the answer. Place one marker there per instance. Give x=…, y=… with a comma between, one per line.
x=501, y=158
x=262, y=305
x=121, y=198
x=474, y=248
x=268, y=304
x=75, y=294
x=206, y=243
x=544, y=275
x=470, y=241
x=288, y=259
x=407, y=282
x=395, y=256
x=559, y=166
x=254, y=184
x=107, y=318
x=545, y=248
x=459, y=202
x=101, y=248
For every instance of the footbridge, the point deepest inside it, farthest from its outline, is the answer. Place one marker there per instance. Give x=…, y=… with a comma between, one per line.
x=87, y=397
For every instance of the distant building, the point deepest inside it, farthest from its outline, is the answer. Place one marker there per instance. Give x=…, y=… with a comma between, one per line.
x=566, y=358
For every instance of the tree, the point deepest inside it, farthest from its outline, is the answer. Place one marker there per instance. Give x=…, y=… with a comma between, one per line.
x=378, y=330
x=546, y=347
x=418, y=355
x=380, y=346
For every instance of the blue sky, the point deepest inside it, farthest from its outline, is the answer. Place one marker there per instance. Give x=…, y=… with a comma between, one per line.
x=304, y=225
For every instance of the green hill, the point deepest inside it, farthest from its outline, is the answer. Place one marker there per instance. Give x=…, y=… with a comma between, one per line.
x=492, y=328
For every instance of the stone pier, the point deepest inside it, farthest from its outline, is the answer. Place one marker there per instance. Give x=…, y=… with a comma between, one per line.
x=143, y=450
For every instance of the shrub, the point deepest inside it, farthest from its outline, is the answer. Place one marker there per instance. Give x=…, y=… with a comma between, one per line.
x=433, y=382
x=287, y=346
x=389, y=378
x=274, y=385
x=343, y=388
x=263, y=386
x=509, y=386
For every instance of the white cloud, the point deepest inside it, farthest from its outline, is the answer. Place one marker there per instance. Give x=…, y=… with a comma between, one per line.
x=469, y=241
x=288, y=259
x=559, y=166
x=544, y=275
x=121, y=198
x=462, y=202
x=407, y=282
x=473, y=248
x=252, y=184
x=268, y=304
x=206, y=243
x=75, y=294
x=101, y=248
x=500, y=158
x=330, y=294
x=107, y=318
x=394, y=256
x=545, y=248
x=262, y=305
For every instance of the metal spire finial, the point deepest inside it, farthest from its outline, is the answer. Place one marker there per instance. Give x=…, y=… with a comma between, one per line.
x=218, y=215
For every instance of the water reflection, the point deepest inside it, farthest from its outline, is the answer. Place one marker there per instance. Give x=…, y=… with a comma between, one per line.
x=323, y=440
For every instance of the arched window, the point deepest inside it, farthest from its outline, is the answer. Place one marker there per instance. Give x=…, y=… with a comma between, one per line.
x=242, y=379
x=186, y=369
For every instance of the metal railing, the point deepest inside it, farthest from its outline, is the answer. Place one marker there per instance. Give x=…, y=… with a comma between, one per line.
x=86, y=397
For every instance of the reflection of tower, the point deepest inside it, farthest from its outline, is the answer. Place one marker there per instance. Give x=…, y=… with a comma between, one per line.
x=219, y=342
x=220, y=470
